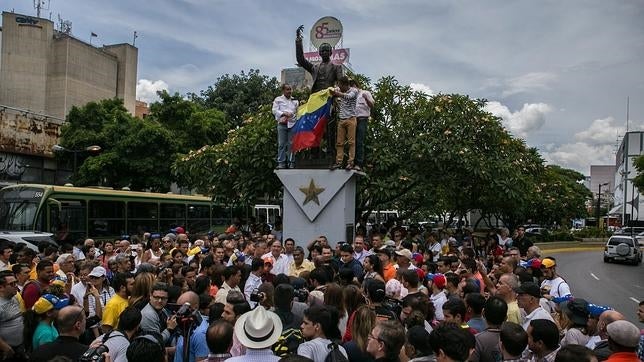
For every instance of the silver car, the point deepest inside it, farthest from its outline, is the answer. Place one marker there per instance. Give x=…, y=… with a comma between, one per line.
x=622, y=248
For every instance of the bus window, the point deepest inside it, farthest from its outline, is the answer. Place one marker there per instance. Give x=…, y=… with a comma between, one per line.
x=172, y=215
x=106, y=218
x=70, y=223
x=198, y=218
x=18, y=208
x=142, y=217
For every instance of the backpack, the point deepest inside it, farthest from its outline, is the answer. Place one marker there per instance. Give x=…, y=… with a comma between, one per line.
x=334, y=354
x=288, y=342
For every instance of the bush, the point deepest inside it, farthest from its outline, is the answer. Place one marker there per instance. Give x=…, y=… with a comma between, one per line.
x=592, y=232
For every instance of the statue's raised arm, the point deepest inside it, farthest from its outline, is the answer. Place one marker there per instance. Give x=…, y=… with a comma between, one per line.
x=299, y=51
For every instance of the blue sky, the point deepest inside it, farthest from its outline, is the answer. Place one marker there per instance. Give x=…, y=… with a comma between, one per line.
x=558, y=73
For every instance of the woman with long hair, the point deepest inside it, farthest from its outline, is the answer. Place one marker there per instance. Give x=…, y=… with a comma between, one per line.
x=39, y=321
x=319, y=328
x=353, y=299
x=334, y=296
x=153, y=251
x=373, y=268
x=363, y=322
x=108, y=253
x=141, y=290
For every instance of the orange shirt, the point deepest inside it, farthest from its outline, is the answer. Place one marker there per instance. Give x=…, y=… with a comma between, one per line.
x=389, y=272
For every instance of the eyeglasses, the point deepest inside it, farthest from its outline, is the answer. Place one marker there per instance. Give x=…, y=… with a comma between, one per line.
x=374, y=337
x=159, y=298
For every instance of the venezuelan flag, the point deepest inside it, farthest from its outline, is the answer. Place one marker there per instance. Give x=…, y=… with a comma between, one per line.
x=312, y=118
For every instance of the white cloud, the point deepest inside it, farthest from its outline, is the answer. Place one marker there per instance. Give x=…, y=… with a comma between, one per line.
x=593, y=146
x=529, y=119
x=528, y=82
x=420, y=87
x=146, y=90
x=580, y=155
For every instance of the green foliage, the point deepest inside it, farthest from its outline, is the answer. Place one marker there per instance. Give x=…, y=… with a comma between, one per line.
x=134, y=153
x=239, y=95
x=191, y=123
x=638, y=181
x=593, y=232
x=239, y=170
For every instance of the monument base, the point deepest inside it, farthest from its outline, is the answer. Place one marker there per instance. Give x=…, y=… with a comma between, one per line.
x=318, y=202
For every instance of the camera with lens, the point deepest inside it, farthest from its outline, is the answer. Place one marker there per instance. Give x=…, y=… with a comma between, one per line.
x=94, y=354
x=257, y=296
x=301, y=294
x=187, y=319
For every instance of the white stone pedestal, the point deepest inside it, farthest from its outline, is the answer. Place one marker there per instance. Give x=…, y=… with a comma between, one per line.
x=318, y=202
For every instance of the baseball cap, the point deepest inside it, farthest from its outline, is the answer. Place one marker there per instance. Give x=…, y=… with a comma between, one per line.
x=530, y=289
x=534, y=263
x=438, y=279
x=547, y=263
x=390, y=243
x=48, y=302
x=595, y=310
x=404, y=252
x=239, y=256
x=418, y=257
x=98, y=272
x=576, y=310
x=179, y=230
x=624, y=333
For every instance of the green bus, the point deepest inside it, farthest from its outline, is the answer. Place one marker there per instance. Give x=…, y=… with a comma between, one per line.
x=70, y=213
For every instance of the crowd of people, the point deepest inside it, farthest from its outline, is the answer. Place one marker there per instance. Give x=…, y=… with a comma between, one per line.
x=243, y=296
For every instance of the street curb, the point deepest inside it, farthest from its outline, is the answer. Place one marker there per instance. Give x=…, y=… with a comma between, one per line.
x=563, y=250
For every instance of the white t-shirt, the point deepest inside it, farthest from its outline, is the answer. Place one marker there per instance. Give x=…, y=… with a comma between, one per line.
x=438, y=300
x=538, y=313
x=558, y=287
x=317, y=349
x=362, y=108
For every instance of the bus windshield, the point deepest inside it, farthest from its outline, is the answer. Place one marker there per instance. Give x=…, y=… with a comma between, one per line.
x=18, y=207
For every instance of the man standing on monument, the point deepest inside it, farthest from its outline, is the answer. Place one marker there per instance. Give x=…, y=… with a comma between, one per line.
x=364, y=103
x=284, y=110
x=324, y=74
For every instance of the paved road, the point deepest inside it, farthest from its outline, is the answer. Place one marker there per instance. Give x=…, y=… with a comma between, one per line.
x=617, y=285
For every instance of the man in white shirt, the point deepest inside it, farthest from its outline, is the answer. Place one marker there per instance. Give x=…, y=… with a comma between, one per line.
x=528, y=299
x=280, y=261
x=359, y=252
x=438, y=297
x=553, y=286
x=364, y=103
x=284, y=110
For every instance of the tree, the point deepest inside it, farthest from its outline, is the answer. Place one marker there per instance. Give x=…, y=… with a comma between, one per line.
x=192, y=124
x=135, y=153
x=638, y=181
x=239, y=95
x=239, y=170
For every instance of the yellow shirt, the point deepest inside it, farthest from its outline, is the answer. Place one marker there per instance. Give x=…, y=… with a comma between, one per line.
x=514, y=314
x=113, y=309
x=294, y=271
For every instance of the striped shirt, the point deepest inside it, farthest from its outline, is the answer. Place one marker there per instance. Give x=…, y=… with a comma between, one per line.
x=347, y=104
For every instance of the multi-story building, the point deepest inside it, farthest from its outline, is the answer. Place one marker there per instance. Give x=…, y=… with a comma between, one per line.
x=44, y=72
x=626, y=196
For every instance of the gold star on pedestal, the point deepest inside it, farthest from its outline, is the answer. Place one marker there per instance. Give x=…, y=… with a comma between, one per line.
x=311, y=193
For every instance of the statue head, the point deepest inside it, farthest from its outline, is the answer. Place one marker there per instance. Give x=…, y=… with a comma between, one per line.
x=325, y=51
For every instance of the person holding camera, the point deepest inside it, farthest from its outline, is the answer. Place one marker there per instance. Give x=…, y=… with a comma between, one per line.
x=193, y=324
x=154, y=315
x=116, y=341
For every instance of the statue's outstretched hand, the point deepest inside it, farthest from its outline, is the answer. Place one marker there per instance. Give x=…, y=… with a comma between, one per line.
x=298, y=32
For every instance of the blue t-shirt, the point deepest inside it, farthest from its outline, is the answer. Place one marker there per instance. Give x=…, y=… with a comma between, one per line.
x=45, y=332
x=198, y=346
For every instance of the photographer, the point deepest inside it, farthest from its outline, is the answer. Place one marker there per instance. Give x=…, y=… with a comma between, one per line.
x=117, y=341
x=154, y=315
x=192, y=324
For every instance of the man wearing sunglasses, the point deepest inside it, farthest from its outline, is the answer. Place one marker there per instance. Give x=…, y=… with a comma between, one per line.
x=11, y=321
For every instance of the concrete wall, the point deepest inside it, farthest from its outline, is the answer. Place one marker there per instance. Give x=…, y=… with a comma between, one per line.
x=48, y=72
x=28, y=133
x=79, y=73
x=127, y=57
x=23, y=68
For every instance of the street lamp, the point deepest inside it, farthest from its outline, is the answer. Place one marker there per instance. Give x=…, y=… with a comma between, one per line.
x=599, y=199
x=90, y=149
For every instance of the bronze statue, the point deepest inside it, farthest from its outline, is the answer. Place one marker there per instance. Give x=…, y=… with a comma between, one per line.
x=324, y=74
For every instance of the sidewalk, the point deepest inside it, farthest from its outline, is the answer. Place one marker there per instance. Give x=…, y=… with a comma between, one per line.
x=570, y=246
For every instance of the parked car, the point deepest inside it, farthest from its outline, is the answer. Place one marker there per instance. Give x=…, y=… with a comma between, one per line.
x=622, y=248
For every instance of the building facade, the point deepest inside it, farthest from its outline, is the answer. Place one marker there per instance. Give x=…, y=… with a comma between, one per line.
x=627, y=197
x=43, y=74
